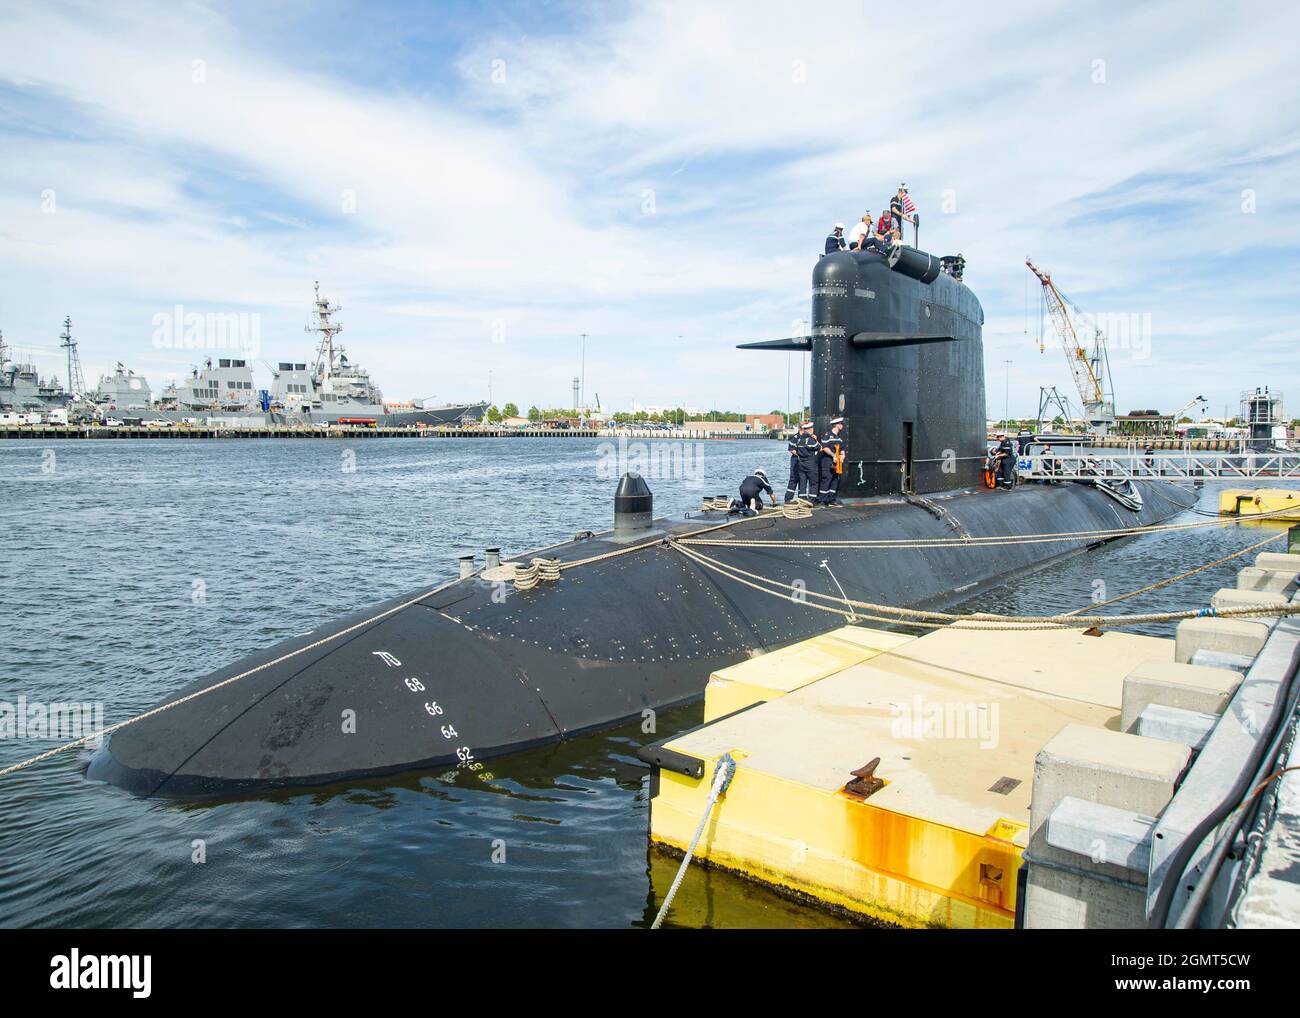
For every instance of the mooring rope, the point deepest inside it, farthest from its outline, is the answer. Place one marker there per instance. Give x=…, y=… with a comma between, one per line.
x=990, y=540
x=1181, y=576
x=981, y=620
x=726, y=770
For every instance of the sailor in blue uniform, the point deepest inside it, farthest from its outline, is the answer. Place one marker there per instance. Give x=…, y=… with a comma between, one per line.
x=806, y=446
x=752, y=489
x=836, y=242
x=831, y=458
x=792, y=486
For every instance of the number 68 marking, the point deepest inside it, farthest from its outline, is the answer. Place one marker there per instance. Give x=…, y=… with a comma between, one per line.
x=415, y=685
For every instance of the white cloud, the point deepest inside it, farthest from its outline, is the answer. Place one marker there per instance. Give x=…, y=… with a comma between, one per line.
x=520, y=200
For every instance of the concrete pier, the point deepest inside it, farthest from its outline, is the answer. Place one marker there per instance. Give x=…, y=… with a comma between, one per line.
x=980, y=778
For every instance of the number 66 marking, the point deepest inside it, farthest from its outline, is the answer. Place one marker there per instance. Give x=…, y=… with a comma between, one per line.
x=433, y=708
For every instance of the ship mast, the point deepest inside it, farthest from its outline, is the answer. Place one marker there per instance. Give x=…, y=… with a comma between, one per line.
x=328, y=330
x=76, y=382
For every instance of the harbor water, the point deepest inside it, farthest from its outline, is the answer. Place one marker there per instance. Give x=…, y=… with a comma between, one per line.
x=133, y=567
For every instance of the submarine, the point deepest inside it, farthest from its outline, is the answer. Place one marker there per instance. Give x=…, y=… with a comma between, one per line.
x=622, y=622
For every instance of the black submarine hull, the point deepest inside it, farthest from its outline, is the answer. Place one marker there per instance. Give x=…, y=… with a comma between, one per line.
x=473, y=669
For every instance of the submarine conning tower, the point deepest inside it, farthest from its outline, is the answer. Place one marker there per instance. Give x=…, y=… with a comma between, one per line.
x=897, y=350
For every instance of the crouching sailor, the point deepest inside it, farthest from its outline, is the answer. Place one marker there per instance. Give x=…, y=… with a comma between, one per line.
x=832, y=463
x=752, y=488
x=805, y=447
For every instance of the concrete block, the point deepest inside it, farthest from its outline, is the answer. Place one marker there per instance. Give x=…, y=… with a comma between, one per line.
x=1268, y=580
x=1098, y=765
x=1228, y=597
x=1187, y=727
x=1127, y=772
x=1096, y=831
x=1066, y=900
x=1279, y=561
x=1219, y=659
x=1229, y=635
x=1186, y=686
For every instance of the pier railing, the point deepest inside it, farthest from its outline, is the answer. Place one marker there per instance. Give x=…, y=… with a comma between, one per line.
x=1190, y=466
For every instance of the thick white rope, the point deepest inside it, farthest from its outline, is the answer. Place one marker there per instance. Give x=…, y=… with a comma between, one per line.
x=721, y=779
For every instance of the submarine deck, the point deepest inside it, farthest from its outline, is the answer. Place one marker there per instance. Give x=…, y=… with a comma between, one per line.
x=474, y=668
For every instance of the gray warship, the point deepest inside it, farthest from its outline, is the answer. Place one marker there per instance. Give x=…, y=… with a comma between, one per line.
x=332, y=390
x=624, y=621
x=23, y=390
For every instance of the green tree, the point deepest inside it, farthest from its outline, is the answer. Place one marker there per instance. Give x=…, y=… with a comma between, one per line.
x=511, y=410
x=494, y=415
x=534, y=414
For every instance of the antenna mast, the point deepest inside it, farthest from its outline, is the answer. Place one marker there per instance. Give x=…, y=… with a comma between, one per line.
x=328, y=330
x=76, y=381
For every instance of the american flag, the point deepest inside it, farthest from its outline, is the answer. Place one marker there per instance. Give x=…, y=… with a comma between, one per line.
x=908, y=207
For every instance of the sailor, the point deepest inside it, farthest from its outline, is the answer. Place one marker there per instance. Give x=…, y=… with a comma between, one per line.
x=1005, y=457
x=859, y=233
x=806, y=446
x=831, y=458
x=792, y=487
x=835, y=241
x=752, y=488
x=901, y=210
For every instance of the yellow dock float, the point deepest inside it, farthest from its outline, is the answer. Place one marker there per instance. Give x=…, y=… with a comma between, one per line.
x=1261, y=501
x=933, y=834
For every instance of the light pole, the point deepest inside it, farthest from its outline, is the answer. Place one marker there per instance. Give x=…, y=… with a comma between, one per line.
x=803, y=376
x=1006, y=407
x=583, y=373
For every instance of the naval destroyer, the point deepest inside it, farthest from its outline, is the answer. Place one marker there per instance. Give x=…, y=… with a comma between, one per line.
x=458, y=672
x=332, y=390
x=23, y=390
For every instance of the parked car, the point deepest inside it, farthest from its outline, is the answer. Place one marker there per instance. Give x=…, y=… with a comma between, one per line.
x=112, y=422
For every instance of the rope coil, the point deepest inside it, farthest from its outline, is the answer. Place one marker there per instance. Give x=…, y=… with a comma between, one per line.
x=539, y=570
x=798, y=509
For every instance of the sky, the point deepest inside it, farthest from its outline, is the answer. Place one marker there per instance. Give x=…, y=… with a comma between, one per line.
x=478, y=185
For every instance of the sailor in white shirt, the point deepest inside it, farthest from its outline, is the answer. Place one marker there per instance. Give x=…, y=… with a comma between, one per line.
x=860, y=232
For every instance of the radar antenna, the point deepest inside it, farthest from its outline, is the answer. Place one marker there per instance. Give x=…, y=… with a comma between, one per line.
x=76, y=380
x=326, y=355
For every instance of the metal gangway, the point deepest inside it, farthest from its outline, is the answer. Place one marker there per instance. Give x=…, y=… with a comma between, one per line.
x=1073, y=464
